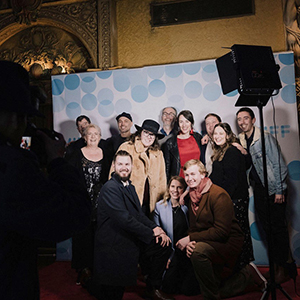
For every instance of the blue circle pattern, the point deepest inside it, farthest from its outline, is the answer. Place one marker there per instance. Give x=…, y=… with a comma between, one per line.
x=209, y=73
x=285, y=74
x=104, y=74
x=57, y=87
x=88, y=75
x=89, y=101
x=73, y=96
x=212, y=92
x=232, y=94
x=255, y=231
x=294, y=170
x=139, y=94
x=173, y=71
x=88, y=84
x=58, y=103
x=72, y=82
x=155, y=72
x=105, y=94
x=288, y=94
x=193, y=89
x=106, y=108
x=73, y=110
x=121, y=81
x=123, y=105
x=192, y=69
x=286, y=59
x=157, y=88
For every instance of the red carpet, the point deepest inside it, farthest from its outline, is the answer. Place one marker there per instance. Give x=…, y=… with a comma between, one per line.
x=57, y=282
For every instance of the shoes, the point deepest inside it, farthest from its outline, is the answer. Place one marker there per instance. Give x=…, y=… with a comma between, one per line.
x=156, y=295
x=283, y=273
x=257, y=277
x=84, y=276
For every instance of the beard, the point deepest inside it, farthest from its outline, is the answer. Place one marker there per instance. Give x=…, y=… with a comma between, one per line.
x=123, y=178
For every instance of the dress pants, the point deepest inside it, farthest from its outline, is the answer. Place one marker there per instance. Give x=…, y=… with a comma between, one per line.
x=209, y=274
x=278, y=231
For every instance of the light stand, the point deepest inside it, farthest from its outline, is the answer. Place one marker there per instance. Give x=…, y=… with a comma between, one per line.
x=252, y=70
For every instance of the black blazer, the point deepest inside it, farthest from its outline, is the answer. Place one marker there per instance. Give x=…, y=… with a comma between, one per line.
x=121, y=227
x=171, y=154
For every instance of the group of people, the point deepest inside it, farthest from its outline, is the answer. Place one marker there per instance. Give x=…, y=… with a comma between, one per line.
x=160, y=161
x=169, y=200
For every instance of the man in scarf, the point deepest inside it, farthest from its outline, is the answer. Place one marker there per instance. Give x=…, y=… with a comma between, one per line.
x=214, y=240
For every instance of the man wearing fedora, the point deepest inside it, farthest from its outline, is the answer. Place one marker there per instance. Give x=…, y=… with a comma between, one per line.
x=32, y=206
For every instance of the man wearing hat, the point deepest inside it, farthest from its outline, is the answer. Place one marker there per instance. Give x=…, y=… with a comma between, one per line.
x=124, y=125
x=32, y=206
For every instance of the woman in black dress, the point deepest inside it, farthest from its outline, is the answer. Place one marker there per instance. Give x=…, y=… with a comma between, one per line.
x=90, y=162
x=229, y=172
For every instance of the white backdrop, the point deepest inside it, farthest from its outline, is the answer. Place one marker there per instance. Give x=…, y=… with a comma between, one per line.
x=143, y=92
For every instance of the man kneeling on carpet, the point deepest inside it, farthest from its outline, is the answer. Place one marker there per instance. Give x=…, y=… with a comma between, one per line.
x=124, y=234
x=215, y=239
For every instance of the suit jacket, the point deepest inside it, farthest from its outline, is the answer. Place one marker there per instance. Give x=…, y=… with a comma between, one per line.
x=171, y=154
x=216, y=225
x=163, y=217
x=121, y=227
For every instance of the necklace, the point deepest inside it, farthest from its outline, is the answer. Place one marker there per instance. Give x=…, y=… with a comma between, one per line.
x=175, y=208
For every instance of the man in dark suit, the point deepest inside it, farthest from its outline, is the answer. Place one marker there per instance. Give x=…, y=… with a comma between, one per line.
x=124, y=234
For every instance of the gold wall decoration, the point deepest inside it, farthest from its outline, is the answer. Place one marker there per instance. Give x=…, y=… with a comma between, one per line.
x=26, y=11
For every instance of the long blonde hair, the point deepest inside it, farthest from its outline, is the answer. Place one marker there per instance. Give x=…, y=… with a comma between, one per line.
x=167, y=193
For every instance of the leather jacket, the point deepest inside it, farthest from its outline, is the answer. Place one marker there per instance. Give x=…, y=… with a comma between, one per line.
x=171, y=154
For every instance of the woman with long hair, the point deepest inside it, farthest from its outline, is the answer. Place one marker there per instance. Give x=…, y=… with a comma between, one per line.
x=179, y=277
x=182, y=147
x=148, y=172
x=229, y=172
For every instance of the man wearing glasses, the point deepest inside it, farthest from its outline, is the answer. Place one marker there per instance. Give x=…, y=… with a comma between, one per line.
x=168, y=118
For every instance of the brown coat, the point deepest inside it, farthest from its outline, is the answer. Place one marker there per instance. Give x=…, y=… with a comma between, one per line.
x=152, y=167
x=216, y=225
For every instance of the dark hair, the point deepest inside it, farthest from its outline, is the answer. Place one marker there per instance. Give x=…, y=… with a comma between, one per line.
x=219, y=151
x=121, y=153
x=213, y=115
x=188, y=115
x=248, y=110
x=137, y=136
x=80, y=118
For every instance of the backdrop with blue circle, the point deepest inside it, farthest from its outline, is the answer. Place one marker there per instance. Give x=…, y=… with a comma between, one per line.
x=144, y=92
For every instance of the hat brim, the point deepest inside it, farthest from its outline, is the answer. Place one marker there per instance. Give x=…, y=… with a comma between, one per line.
x=158, y=135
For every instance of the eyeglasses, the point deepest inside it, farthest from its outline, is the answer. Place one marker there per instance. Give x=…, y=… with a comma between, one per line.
x=93, y=133
x=148, y=134
x=169, y=114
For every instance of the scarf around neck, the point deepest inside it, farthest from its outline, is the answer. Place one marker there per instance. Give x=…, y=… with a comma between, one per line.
x=197, y=193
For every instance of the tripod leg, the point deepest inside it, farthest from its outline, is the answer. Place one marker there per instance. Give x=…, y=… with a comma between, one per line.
x=278, y=286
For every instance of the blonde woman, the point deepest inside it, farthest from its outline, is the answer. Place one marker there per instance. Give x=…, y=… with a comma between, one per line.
x=92, y=167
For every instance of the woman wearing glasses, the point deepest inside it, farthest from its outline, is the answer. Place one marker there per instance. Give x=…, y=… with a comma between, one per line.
x=148, y=172
x=182, y=147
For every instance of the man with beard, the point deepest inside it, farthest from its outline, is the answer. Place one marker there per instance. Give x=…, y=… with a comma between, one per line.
x=123, y=235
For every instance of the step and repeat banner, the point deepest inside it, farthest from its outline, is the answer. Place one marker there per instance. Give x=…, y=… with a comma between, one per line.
x=144, y=92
